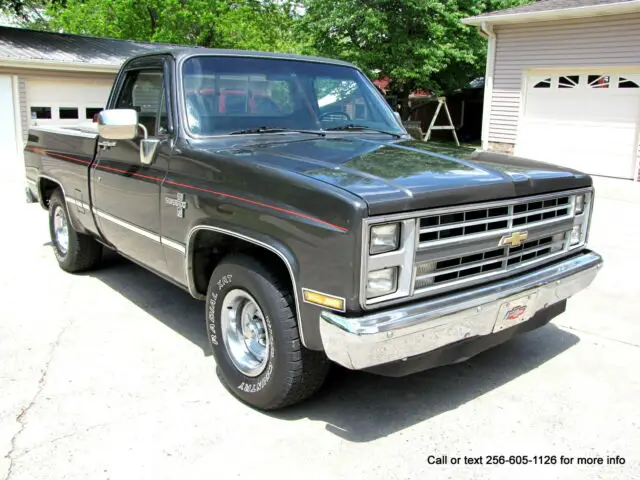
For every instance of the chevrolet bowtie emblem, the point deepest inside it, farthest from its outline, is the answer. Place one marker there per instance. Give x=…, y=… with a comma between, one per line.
x=514, y=239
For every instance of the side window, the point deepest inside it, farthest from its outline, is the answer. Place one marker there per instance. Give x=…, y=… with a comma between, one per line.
x=144, y=91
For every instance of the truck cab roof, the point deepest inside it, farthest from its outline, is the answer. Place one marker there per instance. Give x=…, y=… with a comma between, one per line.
x=186, y=52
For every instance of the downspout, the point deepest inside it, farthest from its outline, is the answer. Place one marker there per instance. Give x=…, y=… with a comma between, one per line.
x=487, y=31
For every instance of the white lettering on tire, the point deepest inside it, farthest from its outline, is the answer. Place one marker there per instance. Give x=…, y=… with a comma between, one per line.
x=260, y=384
x=225, y=280
x=212, y=318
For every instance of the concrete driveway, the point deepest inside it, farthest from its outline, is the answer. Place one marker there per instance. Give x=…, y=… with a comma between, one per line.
x=109, y=375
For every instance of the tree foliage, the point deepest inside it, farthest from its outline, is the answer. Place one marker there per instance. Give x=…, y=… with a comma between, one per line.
x=246, y=24
x=418, y=44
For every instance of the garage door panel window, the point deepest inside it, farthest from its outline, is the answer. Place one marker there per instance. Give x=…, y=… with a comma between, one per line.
x=568, y=81
x=546, y=83
x=41, y=113
x=625, y=82
x=91, y=112
x=68, y=113
x=599, y=81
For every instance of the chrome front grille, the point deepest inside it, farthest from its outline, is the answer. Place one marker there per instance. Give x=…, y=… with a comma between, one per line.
x=477, y=264
x=477, y=221
x=462, y=246
x=452, y=248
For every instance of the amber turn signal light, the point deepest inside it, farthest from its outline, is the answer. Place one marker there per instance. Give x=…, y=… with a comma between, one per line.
x=324, y=300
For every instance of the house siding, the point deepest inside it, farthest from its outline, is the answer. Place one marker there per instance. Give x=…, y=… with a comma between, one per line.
x=607, y=41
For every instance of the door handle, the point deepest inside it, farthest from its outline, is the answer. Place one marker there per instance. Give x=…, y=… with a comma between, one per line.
x=106, y=145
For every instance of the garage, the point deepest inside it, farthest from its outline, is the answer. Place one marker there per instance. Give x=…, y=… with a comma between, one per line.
x=53, y=79
x=584, y=120
x=563, y=84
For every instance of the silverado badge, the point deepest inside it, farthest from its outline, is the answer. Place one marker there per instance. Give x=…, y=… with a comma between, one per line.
x=177, y=202
x=514, y=239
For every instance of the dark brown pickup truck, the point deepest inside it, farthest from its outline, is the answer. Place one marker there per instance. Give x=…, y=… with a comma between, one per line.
x=284, y=192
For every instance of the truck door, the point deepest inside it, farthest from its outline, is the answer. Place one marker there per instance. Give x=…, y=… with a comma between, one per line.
x=126, y=194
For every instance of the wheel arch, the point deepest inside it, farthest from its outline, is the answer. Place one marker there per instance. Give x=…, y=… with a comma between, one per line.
x=286, y=260
x=46, y=187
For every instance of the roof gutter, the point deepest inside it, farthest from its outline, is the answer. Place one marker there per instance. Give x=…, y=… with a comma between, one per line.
x=576, y=12
x=55, y=65
x=487, y=30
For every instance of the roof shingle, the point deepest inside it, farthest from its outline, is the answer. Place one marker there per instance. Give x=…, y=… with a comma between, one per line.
x=22, y=44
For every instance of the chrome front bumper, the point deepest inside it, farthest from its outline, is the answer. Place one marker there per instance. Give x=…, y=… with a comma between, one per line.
x=410, y=330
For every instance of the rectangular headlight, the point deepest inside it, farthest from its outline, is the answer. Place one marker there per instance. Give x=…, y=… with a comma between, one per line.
x=384, y=238
x=382, y=282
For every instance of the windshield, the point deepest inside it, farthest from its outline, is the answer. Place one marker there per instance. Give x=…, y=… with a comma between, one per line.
x=232, y=94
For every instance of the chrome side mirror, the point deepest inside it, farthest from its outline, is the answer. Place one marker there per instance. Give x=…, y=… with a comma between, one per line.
x=118, y=124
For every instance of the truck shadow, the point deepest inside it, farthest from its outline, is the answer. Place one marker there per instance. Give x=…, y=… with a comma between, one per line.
x=166, y=302
x=361, y=407
x=356, y=406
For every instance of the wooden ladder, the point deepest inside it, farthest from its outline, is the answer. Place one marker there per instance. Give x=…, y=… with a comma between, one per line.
x=441, y=101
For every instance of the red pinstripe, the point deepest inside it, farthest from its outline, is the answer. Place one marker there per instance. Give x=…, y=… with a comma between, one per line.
x=184, y=185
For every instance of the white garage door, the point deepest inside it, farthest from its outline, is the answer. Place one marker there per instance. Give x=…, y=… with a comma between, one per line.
x=8, y=147
x=586, y=121
x=60, y=101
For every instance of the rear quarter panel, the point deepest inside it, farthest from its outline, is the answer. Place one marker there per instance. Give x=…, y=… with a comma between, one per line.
x=63, y=155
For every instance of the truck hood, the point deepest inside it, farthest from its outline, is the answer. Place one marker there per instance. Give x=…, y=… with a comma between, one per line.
x=405, y=175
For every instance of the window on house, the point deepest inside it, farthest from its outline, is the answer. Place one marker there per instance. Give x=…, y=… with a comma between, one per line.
x=91, y=112
x=568, y=81
x=624, y=82
x=68, y=113
x=546, y=83
x=599, y=81
x=41, y=113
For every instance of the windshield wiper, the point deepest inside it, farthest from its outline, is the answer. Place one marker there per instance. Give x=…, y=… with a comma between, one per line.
x=275, y=130
x=353, y=126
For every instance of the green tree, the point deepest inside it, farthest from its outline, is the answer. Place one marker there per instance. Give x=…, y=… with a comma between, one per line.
x=28, y=12
x=246, y=24
x=418, y=44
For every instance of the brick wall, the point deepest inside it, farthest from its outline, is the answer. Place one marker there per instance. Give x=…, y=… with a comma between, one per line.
x=501, y=147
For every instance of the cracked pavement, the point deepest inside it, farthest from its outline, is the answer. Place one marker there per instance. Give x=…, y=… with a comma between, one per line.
x=107, y=375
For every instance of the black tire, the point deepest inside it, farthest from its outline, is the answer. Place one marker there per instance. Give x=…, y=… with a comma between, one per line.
x=83, y=251
x=292, y=372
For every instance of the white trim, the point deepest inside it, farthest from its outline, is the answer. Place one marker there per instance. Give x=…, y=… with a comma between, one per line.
x=173, y=244
x=77, y=203
x=167, y=242
x=127, y=225
x=56, y=65
x=488, y=84
x=558, y=14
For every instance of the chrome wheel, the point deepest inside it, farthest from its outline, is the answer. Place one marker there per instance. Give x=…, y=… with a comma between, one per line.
x=60, y=230
x=244, y=332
